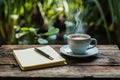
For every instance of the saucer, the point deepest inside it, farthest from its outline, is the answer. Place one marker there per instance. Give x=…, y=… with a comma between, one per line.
x=67, y=51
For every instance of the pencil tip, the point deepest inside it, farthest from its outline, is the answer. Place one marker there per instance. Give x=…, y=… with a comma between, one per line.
x=51, y=58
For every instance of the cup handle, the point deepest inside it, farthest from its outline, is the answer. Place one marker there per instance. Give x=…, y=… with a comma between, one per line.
x=95, y=43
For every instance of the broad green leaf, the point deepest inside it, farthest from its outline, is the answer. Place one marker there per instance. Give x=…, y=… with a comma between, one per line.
x=34, y=30
x=24, y=29
x=52, y=32
x=22, y=10
x=51, y=12
x=42, y=41
x=19, y=35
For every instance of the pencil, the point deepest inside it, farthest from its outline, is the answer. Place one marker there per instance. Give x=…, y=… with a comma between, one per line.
x=44, y=54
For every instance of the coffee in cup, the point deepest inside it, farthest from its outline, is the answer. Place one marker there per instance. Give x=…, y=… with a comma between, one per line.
x=79, y=43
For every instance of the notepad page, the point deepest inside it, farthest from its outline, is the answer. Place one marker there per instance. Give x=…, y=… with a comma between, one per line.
x=29, y=57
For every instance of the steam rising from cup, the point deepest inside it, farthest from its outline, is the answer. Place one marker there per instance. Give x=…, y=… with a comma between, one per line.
x=79, y=28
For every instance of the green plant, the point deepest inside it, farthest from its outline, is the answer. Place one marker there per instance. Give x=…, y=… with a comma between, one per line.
x=105, y=13
x=29, y=20
x=17, y=25
x=115, y=15
x=97, y=16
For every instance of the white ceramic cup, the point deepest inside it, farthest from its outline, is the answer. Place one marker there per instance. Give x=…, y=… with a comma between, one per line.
x=79, y=43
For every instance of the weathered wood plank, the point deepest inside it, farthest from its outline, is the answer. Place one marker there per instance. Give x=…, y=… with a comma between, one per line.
x=106, y=47
x=105, y=64
x=64, y=72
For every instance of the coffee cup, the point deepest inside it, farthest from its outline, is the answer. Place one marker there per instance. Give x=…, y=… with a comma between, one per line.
x=80, y=43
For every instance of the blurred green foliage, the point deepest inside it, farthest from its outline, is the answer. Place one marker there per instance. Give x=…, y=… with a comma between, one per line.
x=25, y=21
x=104, y=14
x=40, y=21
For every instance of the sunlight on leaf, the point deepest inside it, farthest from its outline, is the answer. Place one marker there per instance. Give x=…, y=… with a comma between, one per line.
x=14, y=16
x=28, y=5
x=51, y=12
x=17, y=27
x=22, y=10
x=25, y=29
x=32, y=30
x=51, y=32
x=19, y=35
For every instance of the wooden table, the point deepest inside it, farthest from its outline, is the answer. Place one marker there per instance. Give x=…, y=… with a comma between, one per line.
x=105, y=64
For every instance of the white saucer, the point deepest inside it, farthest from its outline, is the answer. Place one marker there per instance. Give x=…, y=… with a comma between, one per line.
x=67, y=51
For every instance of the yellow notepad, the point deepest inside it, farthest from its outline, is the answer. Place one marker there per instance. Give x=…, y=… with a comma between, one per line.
x=30, y=59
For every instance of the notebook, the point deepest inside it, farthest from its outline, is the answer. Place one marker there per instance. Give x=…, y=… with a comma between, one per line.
x=30, y=59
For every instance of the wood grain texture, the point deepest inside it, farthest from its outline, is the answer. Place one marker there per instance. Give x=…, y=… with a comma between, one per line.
x=105, y=64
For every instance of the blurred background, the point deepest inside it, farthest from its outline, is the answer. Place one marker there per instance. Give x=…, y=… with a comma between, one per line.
x=26, y=22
